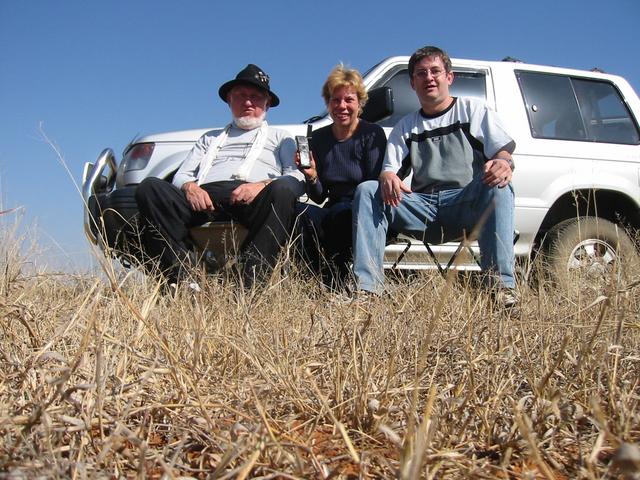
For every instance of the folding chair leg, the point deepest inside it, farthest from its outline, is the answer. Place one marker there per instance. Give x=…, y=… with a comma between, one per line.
x=463, y=244
x=404, y=252
x=442, y=271
x=473, y=255
x=445, y=270
x=453, y=258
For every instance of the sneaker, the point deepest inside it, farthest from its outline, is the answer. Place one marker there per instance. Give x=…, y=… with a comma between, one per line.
x=363, y=298
x=340, y=298
x=358, y=297
x=507, y=298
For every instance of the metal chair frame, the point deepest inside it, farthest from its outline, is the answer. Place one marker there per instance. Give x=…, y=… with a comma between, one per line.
x=462, y=244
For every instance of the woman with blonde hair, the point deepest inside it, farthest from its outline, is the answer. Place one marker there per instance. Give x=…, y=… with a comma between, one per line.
x=343, y=154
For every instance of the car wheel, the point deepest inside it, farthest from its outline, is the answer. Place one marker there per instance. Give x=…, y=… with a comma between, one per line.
x=588, y=253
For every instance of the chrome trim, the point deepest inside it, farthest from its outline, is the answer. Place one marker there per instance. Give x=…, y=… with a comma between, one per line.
x=90, y=178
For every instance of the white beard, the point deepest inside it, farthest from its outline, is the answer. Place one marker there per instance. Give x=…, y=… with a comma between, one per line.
x=249, y=123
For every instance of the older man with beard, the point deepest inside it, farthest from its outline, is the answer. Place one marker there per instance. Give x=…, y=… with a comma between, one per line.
x=245, y=171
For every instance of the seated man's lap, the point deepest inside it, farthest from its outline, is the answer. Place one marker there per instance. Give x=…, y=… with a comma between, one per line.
x=469, y=207
x=159, y=199
x=220, y=192
x=450, y=212
x=414, y=212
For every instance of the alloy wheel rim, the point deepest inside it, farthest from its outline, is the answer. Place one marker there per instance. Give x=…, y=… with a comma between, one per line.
x=593, y=257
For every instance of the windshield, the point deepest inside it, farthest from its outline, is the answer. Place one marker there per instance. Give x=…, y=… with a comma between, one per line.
x=315, y=118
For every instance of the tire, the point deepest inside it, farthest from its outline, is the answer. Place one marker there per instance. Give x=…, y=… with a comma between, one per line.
x=588, y=253
x=120, y=227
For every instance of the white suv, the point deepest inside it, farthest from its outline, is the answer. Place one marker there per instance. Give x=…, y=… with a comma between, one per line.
x=577, y=176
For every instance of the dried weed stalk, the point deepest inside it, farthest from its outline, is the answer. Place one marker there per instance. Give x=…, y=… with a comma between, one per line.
x=429, y=381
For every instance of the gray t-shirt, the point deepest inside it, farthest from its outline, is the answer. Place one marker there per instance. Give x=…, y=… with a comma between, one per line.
x=275, y=160
x=446, y=150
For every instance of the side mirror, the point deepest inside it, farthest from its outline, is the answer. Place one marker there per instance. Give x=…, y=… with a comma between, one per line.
x=379, y=105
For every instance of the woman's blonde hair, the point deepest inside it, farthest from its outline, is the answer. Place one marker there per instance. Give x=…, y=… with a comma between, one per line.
x=342, y=76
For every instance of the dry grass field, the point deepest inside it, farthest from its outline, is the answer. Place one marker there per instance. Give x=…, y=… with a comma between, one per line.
x=109, y=379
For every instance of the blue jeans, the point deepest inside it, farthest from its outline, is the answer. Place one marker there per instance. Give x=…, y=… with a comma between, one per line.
x=452, y=211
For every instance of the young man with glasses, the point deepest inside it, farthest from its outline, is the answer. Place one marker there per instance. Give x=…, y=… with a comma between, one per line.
x=460, y=155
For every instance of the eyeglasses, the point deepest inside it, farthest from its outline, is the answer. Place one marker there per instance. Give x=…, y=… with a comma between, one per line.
x=424, y=73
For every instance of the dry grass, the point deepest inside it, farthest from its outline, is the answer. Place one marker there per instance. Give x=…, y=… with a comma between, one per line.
x=113, y=380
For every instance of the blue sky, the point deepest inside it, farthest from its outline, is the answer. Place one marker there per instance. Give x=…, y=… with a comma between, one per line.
x=96, y=74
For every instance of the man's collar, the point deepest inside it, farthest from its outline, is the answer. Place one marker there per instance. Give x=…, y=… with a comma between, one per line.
x=440, y=112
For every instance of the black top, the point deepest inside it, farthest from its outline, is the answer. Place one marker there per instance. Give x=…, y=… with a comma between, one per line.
x=341, y=166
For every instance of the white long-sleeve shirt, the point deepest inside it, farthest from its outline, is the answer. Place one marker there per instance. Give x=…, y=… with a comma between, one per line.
x=275, y=160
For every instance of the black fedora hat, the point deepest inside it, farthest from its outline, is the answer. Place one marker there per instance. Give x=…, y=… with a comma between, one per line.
x=251, y=75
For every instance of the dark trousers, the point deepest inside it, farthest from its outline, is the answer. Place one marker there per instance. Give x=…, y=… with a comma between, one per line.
x=326, y=240
x=167, y=219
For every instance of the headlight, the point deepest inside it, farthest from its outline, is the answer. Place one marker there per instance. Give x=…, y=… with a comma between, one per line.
x=137, y=157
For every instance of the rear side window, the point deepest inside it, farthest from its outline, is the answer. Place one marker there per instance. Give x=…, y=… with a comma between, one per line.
x=567, y=108
x=405, y=101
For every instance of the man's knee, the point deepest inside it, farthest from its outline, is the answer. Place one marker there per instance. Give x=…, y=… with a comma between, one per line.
x=499, y=199
x=150, y=186
x=366, y=191
x=506, y=192
x=283, y=190
x=503, y=200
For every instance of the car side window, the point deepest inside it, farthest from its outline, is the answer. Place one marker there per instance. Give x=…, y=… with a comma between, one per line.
x=405, y=101
x=551, y=106
x=604, y=113
x=566, y=108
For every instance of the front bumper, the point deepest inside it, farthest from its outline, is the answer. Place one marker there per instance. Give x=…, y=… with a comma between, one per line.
x=94, y=184
x=110, y=214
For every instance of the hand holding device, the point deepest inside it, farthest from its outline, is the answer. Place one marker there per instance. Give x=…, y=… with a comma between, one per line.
x=303, y=150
